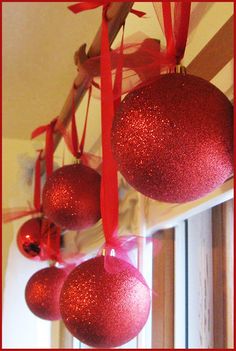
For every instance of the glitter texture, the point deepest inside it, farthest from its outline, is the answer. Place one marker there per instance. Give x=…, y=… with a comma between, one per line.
x=42, y=293
x=104, y=309
x=71, y=197
x=29, y=238
x=173, y=140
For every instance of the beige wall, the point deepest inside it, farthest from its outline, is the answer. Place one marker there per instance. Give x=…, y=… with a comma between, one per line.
x=13, y=193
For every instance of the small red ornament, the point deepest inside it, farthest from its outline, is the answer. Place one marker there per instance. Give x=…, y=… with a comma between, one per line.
x=29, y=238
x=173, y=139
x=42, y=293
x=71, y=197
x=104, y=309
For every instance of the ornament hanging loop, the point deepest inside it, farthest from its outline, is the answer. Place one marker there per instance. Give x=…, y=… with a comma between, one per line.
x=180, y=69
x=177, y=69
x=106, y=252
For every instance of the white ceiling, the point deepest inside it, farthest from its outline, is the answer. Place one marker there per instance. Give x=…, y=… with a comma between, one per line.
x=39, y=41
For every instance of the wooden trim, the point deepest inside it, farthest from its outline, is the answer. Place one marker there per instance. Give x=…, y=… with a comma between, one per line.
x=218, y=246
x=65, y=337
x=222, y=244
x=199, y=314
x=163, y=215
x=216, y=54
x=163, y=297
x=228, y=215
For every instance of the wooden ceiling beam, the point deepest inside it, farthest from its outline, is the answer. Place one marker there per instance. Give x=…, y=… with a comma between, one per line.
x=116, y=14
x=216, y=54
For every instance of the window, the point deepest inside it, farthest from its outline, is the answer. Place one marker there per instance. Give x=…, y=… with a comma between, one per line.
x=192, y=280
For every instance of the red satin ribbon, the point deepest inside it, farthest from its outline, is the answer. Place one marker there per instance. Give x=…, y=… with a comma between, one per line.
x=109, y=185
x=84, y=6
x=49, y=147
x=51, y=236
x=74, y=132
x=86, y=121
x=71, y=138
x=181, y=20
x=118, y=77
x=166, y=9
x=75, y=147
x=138, y=13
x=176, y=30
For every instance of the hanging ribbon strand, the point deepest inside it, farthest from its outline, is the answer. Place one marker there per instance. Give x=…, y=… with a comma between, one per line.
x=49, y=129
x=74, y=132
x=109, y=186
x=75, y=147
x=86, y=121
x=176, y=29
x=72, y=140
x=181, y=28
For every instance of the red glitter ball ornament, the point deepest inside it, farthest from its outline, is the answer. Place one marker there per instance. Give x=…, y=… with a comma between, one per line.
x=105, y=309
x=173, y=139
x=42, y=292
x=29, y=238
x=71, y=197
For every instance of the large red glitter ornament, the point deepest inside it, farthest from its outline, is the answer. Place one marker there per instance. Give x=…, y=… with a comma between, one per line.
x=29, y=238
x=104, y=309
x=173, y=139
x=42, y=292
x=71, y=197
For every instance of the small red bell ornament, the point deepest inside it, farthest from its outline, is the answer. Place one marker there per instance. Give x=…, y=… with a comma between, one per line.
x=104, y=309
x=71, y=197
x=173, y=139
x=42, y=292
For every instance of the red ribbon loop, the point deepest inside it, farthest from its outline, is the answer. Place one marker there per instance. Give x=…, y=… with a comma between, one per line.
x=49, y=147
x=181, y=20
x=51, y=237
x=84, y=6
x=71, y=138
x=138, y=13
x=109, y=186
x=176, y=29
